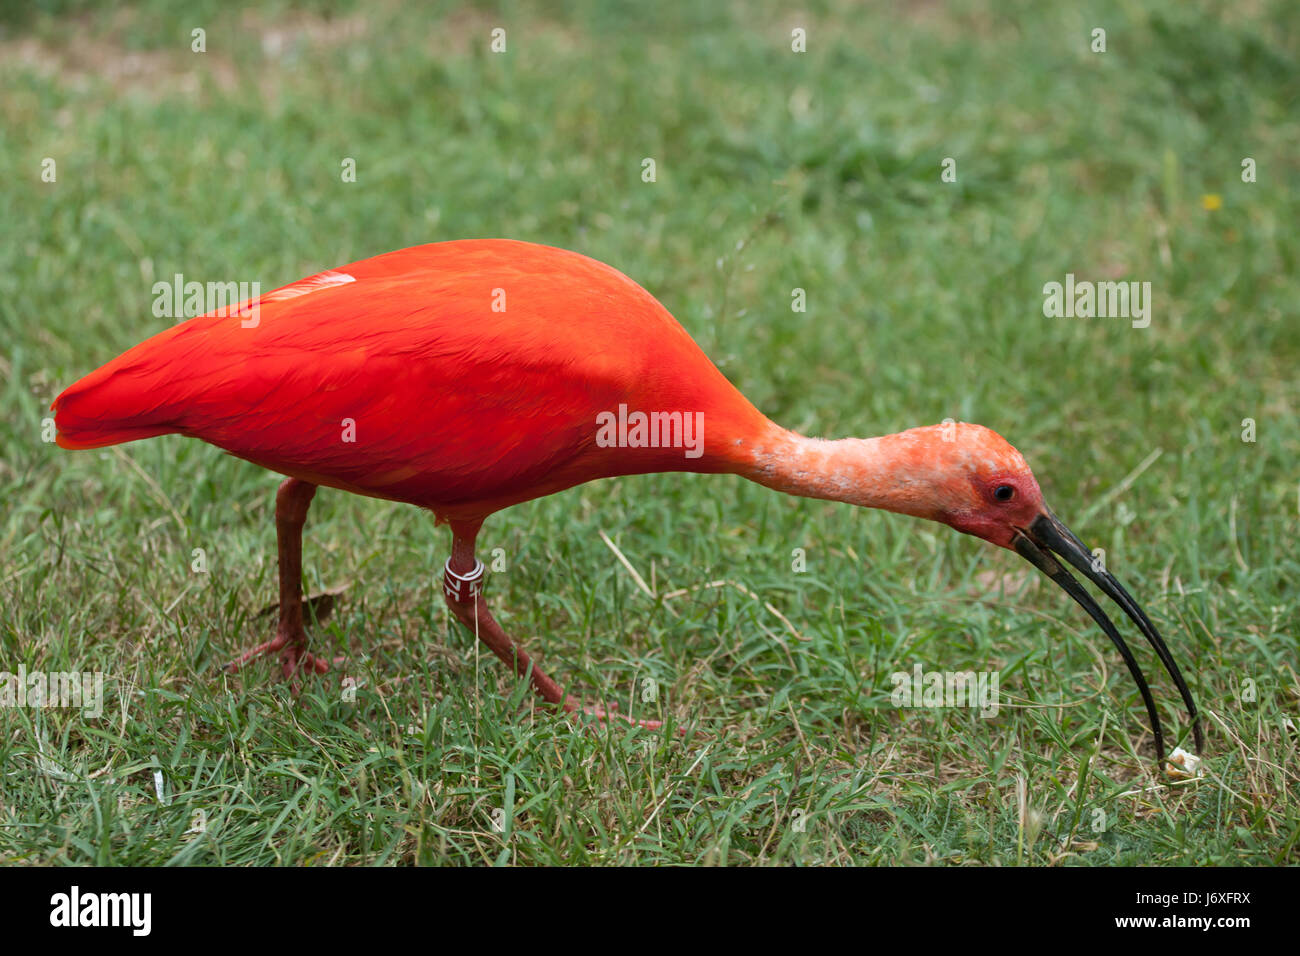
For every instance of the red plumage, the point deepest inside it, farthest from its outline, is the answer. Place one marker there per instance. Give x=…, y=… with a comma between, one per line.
x=454, y=406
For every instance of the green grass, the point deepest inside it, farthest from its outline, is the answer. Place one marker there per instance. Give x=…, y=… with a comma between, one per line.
x=775, y=170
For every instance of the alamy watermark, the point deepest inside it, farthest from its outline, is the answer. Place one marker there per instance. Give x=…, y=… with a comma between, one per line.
x=626, y=429
x=133, y=911
x=976, y=690
x=1104, y=300
x=82, y=690
x=179, y=299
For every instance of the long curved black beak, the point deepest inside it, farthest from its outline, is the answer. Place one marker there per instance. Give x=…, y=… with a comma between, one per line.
x=1047, y=534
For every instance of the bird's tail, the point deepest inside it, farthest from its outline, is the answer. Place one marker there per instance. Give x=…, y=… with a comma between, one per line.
x=112, y=404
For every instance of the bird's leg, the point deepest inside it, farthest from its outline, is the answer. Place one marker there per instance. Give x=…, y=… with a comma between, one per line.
x=291, y=504
x=463, y=588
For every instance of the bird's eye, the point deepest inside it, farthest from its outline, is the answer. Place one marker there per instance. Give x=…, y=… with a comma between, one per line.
x=1004, y=492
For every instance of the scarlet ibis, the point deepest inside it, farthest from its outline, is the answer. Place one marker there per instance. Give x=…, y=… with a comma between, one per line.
x=468, y=376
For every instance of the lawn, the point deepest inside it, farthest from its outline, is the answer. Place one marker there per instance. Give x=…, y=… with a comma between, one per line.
x=768, y=624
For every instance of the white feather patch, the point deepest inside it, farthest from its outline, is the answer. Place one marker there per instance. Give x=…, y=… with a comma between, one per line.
x=321, y=280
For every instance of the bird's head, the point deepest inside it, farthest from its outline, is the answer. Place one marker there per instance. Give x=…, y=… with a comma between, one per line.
x=972, y=479
x=966, y=476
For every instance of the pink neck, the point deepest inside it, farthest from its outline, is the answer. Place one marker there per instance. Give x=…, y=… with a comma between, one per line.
x=869, y=472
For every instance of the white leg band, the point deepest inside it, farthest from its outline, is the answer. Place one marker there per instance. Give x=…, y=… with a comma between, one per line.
x=463, y=587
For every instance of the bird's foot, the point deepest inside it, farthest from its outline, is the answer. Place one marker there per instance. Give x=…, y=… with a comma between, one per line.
x=294, y=657
x=607, y=712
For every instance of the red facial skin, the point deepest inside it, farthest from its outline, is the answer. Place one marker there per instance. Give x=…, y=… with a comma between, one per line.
x=999, y=522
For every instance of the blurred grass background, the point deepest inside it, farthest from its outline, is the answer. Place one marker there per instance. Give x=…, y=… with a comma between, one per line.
x=775, y=170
